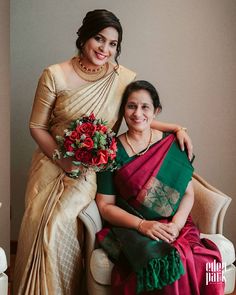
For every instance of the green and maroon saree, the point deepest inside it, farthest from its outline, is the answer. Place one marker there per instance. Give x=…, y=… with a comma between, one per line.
x=150, y=186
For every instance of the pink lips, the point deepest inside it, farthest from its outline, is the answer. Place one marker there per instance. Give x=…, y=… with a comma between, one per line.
x=137, y=121
x=100, y=56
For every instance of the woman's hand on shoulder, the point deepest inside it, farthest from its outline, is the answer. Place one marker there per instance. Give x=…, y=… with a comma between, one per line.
x=156, y=231
x=185, y=142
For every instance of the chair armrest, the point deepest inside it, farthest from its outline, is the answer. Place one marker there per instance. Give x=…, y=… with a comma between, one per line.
x=91, y=218
x=209, y=207
x=3, y=261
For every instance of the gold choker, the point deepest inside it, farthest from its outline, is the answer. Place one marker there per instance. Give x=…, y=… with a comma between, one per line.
x=132, y=148
x=90, y=75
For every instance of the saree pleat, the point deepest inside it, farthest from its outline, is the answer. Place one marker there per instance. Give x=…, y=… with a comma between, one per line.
x=49, y=256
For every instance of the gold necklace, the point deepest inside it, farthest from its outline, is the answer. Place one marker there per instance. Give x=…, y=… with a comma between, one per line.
x=132, y=148
x=90, y=75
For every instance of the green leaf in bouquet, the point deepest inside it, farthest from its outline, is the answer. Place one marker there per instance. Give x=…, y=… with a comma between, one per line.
x=76, y=163
x=70, y=154
x=74, y=173
x=78, y=144
x=67, y=132
x=98, y=140
x=102, y=140
x=73, y=125
x=96, y=169
x=104, y=122
x=96, y=136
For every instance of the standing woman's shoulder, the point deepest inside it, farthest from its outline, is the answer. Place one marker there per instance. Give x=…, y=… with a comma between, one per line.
x=58, y=74
x=126, y=75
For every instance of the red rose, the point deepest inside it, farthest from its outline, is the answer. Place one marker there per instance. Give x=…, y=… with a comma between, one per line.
x=102, y=158
x=67, y=145
x=86, y=128
x=83, y=156
x=113, y=145
x=92, y=117
x=88, y=143
x=102, y=128
x=113, y=156
x=73, y=135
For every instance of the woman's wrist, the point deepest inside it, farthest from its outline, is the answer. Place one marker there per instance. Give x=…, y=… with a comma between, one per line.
x=180, y=128
x=177, y=225
x=139, y=227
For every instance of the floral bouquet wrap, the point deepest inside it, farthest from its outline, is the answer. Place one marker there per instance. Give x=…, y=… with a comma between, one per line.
x=90, y=143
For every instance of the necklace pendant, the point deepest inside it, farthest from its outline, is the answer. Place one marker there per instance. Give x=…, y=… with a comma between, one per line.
x=87, y=74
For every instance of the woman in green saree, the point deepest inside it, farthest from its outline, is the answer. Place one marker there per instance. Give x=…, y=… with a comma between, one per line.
x=150, y=236
x=49, y=256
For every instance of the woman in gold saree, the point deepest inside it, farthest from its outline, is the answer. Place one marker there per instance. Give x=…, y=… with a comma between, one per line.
x=49, y=255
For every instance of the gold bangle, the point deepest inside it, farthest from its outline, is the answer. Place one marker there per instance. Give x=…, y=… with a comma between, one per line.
x=56, y=155
x=180, y=128
x=140, y=223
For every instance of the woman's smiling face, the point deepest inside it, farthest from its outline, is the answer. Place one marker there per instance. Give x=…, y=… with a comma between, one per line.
x=139, y=110
x=100, y=48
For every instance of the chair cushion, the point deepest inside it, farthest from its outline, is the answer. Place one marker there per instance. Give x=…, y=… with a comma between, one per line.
x=224, y=245
x=101, y=267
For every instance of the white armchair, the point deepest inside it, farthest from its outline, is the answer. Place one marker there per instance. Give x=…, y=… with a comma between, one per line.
x=3, y=276
x=208, y=214
x=3, y=267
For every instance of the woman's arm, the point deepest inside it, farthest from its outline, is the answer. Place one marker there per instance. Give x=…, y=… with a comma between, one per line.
x=180, y=217
x=114, y=214
x=48, y=145
x=181, y=135
x=119, y=217
x=44, y=101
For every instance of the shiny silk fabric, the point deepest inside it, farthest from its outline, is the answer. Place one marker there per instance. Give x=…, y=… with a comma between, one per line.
x=195, y=253
x=131, y=251
x=49, y=255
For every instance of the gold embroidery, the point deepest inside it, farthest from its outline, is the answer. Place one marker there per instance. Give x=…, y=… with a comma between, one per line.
x=160, y=198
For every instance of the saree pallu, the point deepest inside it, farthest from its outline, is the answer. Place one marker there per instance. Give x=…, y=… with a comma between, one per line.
x=152, y=187
x=194, y=253
x=49, y=256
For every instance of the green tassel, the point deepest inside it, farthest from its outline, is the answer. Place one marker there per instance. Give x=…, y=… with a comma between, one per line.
x=160, y=272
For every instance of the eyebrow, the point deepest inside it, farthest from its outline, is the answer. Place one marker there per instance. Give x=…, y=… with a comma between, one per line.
x=143, y=103
x=101, y=35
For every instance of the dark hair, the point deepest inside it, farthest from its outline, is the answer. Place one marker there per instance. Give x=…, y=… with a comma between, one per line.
x=93, y=23
x=140, y=85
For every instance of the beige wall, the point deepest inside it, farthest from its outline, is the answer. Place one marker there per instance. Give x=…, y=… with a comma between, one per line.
x=186, y=48
x=4, y=127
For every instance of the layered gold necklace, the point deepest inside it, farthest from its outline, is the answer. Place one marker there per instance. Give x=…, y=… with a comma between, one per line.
x=133, y=149
x=87, y=74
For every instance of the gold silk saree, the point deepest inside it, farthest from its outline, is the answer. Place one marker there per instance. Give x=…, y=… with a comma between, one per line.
x=49, y=256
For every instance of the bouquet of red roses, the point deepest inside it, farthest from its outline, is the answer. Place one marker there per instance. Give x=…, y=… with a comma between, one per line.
x=90, y=144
